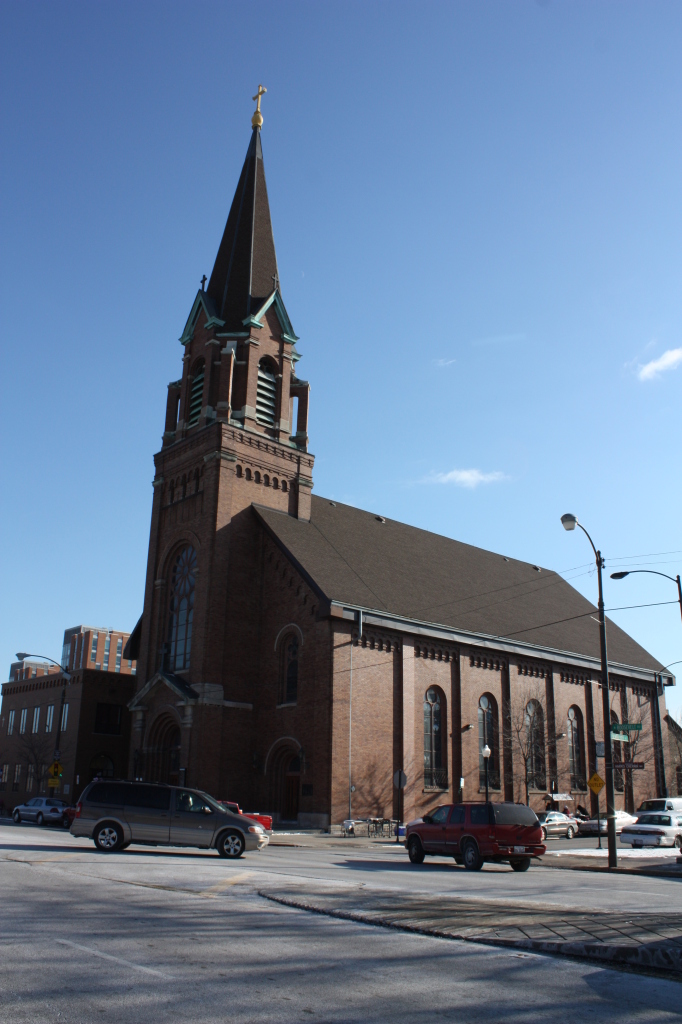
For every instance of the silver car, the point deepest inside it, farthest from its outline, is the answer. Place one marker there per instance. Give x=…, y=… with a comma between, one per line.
x=116, y=814
x=654, y=830
x=44, y=810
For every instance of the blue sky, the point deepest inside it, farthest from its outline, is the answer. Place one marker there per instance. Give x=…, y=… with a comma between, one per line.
x=478, y=221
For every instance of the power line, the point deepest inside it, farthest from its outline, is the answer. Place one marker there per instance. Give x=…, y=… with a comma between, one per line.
x=586, y=615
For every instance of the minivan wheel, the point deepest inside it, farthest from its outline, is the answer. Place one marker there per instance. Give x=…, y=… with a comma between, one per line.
x=415, y=851
x=472, y=858
x=570, y=832
x=108, y=837
x=522, y=864
x=17, y=817
x=231, y=844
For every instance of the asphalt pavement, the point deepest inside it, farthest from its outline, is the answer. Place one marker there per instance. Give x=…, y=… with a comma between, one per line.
x=181, y=935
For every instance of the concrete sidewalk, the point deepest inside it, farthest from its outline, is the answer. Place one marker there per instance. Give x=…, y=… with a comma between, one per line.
x=639, y=940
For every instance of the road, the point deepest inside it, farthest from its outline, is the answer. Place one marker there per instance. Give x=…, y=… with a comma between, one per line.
x=168, y=935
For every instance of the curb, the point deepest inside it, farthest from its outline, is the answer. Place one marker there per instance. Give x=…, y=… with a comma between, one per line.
x=660, y=959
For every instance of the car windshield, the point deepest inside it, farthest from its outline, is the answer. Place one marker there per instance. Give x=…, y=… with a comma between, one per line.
x=55, y=803
x=514, y=814
x=654, y=819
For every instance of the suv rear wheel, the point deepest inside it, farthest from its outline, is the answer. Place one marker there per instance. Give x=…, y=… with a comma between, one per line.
x=230, y=844
x=108, y=837
x=522, y=864
x=472, y=858
x=415, y=850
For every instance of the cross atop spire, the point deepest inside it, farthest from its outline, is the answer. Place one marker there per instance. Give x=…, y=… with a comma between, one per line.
x=257, y=119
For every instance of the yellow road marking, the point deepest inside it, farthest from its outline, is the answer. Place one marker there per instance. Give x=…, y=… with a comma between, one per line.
x=221, y=886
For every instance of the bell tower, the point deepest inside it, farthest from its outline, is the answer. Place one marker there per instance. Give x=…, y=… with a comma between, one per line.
x=231, y=439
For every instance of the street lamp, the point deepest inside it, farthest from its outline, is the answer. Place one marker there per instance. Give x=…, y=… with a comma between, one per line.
x=486, y=757
x=22, y=656
x=673, y=579
x=569, y=522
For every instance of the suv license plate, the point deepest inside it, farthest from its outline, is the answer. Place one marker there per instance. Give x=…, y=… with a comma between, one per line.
x=519, y=849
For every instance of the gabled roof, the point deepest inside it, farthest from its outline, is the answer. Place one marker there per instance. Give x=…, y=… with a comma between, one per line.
x=245, y=270
x=362, y=560
x=202, y=302
x=175, y=683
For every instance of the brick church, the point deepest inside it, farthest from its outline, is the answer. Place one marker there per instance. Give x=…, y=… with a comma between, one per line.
x=294, y=653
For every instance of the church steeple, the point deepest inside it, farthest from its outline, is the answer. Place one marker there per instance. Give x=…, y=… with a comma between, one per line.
x=245, y=270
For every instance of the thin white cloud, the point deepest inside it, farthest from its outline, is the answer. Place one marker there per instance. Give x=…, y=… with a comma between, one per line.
x=670, y=360
x=444, y=362
x=470, y=478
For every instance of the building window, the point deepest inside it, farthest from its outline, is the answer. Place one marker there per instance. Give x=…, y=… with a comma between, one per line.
x=119, y=649
x=247, y=474
x=10, y=723
x=30, y=777
x=4, y=776
x=65, y=717
x=488, y=735
x=284, y=485
x=266, y=393
x=36, y=719
x=48, y=718
x=535, y=726
x=108, y=719
x=288, y=673
x=617, y=755
x=66, y=653
x=93, y=649
x=101, y=767
x=435, y=770
x=22, y=721
x=107, y=648
x=576, y=748
x=80, y=664
x=196, y=395
x=181, y=610
x=17, y=777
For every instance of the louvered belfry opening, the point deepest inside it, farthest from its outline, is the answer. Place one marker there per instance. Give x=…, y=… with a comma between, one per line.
x=196, y=395
x=266, y=394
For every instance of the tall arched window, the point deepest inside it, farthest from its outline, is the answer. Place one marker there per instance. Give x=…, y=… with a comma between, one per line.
x=535, y=725
x=488, y=734
x=266, y=393
x=617, y=755
x=181, y=609
x=288, y=670
x=576, y=748
x=435, y=757
x=196, y=394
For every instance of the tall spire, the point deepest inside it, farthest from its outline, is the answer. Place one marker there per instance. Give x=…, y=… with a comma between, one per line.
x=245, y=271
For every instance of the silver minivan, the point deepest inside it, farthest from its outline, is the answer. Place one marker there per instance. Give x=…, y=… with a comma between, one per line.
x=662, y=803
x=116, y=814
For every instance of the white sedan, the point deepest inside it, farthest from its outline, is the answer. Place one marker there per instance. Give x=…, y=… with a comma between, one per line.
x=591, y=828
x=654, y=830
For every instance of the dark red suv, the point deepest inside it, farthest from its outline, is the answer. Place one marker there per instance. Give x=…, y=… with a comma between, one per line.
x=475, y=833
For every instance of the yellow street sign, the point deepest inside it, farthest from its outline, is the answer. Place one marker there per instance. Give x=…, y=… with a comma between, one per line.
x=596, y=784
x=53, y=783
x=56, y=770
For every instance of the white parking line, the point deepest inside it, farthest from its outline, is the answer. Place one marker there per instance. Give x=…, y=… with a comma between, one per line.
x=116, y=959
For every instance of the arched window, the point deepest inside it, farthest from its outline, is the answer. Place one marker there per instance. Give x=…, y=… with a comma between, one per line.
x=288, y=670
x=617, y=755
x=196, y=394
x=576, y=748
x=266, y=480
x=488, y=734
x=181, y=609
x=239, y=471
x=247, y=474
x=535, y=726
x=101, y=767
x=275, y=483
x=196, y=481
x=256, y=477
x=435, y=757
x=266, y=393
x=171, y=492
x=284, y=485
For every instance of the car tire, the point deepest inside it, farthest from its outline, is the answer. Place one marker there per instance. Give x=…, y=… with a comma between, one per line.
x=543, y=832
x=415, y=850
x=66, y=823
x=522, y=864
x=17, y=818
x=678, y=843
x=231, y=845
x=39, y=819
x=472, y=858
x=570, y=832
x=108, y=837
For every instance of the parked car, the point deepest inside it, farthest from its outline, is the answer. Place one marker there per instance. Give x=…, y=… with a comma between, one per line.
x=555, y=824
x=668, y=803
x=44, y=810
x=654, y=830
x=116, y=814
x=263, y=819
x=591, y=828
x=475, y=833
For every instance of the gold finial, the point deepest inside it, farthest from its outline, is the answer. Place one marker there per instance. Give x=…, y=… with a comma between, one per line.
x=257, y=119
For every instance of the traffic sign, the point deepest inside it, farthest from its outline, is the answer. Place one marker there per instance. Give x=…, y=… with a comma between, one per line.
x=635, y=765
x=56, y=770
x=626, y=727
x=596, y=784
x=53, y=783
x=400, y=779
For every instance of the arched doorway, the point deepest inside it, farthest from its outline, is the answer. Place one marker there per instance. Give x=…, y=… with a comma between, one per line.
x=161, y=756
x=101, y=767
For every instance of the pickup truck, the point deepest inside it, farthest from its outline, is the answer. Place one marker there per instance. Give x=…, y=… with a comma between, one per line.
x=263, y=819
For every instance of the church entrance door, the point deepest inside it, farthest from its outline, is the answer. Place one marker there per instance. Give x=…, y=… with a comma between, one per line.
x=292, y=785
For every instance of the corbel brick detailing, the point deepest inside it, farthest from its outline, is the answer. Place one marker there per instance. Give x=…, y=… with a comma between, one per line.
x=430, y=653
x=575, y=677
x=534, y=670
x=481, y=661
x=411, y=765
x=507, y=759
x=456, y=740
x=591, y=748
x=376, y=641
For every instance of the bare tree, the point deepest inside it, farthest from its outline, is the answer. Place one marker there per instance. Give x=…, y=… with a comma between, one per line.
x=626, y=707
x=527, y=722
x=36, y=753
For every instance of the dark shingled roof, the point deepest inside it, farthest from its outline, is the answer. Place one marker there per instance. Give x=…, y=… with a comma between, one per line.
x=357, y=558
x=245, y=270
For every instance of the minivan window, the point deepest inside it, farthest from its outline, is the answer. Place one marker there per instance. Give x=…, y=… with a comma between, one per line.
x=153, y=797
x=110, y=793
x=652, y=805
x=515, y=814
x=187, y=801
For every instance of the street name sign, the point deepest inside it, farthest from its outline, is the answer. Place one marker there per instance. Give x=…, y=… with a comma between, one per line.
x=626, y=727
x=635, y=765
x=596, y=784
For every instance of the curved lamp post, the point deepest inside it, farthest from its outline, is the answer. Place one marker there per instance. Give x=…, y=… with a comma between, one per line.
x=652, y=572
x=486, y=757
x=569, y=522
x=22, y=656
